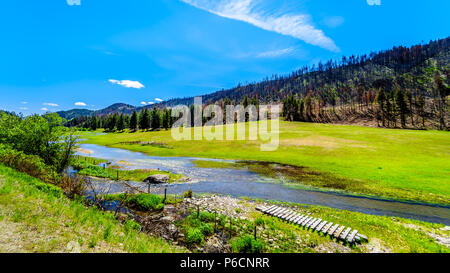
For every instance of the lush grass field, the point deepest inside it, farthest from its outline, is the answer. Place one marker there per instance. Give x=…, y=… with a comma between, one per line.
x=406, y=164
x=37, y=218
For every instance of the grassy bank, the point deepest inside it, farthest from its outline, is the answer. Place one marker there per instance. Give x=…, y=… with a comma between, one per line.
x=37, y=217
x=402, y=164
x=89, y=167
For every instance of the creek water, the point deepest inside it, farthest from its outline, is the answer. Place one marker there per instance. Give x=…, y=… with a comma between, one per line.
x=244, y=183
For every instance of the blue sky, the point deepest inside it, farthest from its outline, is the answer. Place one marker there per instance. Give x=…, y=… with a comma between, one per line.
x=64, y=54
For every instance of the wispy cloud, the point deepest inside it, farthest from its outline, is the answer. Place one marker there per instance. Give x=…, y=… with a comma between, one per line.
x=23, y=108
x=143, y=103
x=276, y=53
x=374, y=2
x=127, y=83
x=298, y=26
x=80, y=103
x=44, y=109
x=24, y=102
x=159, y=100
x=50, y=104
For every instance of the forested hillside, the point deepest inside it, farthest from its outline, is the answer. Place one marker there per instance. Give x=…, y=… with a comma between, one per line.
x=402, y=87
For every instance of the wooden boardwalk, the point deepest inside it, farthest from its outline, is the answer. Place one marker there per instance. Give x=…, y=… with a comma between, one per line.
x=337, y=231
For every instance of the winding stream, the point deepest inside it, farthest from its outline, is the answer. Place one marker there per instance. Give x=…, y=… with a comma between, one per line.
x=241, y=182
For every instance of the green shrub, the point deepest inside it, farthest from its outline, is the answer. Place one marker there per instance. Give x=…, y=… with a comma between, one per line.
x=145, y=202
x=259, y=221
x=188, y=194
x=30, y=164
x=206, y=216
x=247, y=244
x=194, y=236
x=206, y=229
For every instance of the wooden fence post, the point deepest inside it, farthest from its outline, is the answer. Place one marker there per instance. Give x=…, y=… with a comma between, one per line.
x=215, y=220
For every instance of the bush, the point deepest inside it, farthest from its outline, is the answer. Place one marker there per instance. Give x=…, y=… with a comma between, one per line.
x=259, y=221
x=188, y=194
x=206, y=216
x=206, y=229
x=30, y=164
x=247, y=244
x=145, y=202
x=194, y=236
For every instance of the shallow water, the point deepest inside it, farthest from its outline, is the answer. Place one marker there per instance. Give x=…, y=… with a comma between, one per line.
x=241, y=182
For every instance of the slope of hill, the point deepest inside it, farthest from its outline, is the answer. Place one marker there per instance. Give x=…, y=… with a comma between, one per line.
x=115, y=108
x=344, y=80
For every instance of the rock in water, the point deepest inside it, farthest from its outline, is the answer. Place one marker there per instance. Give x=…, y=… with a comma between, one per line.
x=157, y=179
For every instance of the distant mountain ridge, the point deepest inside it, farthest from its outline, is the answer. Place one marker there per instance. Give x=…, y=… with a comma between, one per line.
x=115, y=108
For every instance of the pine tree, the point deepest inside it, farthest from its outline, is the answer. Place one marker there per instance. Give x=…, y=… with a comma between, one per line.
x=401, y=106
x=381, y=100
x=120, y=123
x=166, y=119
x=156, y=119
x=134, y=121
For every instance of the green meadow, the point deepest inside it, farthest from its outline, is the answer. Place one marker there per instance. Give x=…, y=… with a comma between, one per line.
x=402, y=164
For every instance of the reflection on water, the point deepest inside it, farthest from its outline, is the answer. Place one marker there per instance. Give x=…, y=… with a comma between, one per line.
x=241, y=182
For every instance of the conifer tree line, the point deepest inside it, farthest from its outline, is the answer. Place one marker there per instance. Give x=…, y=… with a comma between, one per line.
x=395, y=107
x=146, y=119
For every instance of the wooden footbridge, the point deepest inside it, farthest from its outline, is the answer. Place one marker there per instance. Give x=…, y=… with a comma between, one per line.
x=342, y=233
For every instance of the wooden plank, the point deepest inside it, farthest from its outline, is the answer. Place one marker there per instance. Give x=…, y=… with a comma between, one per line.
x=296, y=218
x=310, y=222
x=278, y=211
x=269, y=209
x=327, y=227
x=282, y=212
x=316, y=224
x=321, y=225
x=352, y=235
x=292, y=216
x=272, y=211
x=303, y=222
x=332, y=229
x=338, y=232
x=287, y=215
x=299, y=220
x=345, y=234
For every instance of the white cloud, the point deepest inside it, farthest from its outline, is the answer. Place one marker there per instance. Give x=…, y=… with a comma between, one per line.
x=143, y=103
x=74, y=2
x=80, y=103
x=374, y=2
x=276, y=53
x=44, y=109
x=158, y=100
x=50, y=104
x=298, y=26
x=127, y=83
x=151, y=103
x=24, y=102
